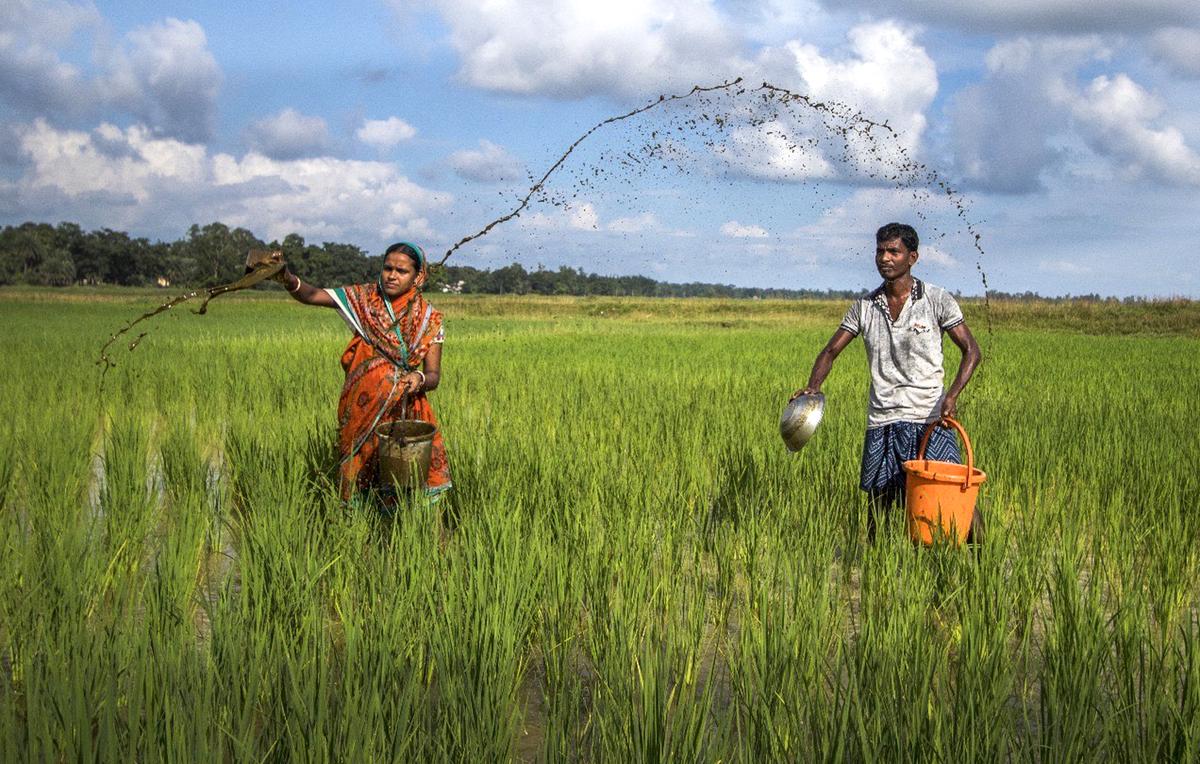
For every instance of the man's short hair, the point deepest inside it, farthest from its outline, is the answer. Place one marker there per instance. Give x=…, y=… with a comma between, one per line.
x=901, y=231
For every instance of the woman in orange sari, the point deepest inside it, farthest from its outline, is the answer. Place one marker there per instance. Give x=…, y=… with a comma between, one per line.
x=396, y=350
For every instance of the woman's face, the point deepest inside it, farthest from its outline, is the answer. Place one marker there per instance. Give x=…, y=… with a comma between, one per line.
x=399, y=274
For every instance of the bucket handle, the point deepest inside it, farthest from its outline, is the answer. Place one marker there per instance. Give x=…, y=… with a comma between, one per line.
x=966, y=442
x=403, y=415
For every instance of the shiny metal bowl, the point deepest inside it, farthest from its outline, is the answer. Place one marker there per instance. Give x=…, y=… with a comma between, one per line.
x=800, y=419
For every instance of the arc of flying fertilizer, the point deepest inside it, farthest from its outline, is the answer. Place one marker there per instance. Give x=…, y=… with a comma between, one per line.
x=546, y=176
x=853, y=122
x=863, y=124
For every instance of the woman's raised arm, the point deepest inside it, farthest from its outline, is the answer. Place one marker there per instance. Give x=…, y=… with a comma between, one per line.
x=305, y=293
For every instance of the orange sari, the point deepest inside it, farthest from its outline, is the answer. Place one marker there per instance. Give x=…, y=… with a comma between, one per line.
x=391, y=339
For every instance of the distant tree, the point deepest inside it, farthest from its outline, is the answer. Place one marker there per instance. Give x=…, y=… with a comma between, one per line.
x=219, y=253
x=108, y=256
x=350, y=264
x=511, y=279
x=23, y=249
x=56, y=269
x=542, y=281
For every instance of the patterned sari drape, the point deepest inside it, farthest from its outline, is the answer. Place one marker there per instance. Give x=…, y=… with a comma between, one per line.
x=391, y=339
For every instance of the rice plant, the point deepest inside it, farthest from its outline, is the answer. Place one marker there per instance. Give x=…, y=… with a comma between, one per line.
x=630, y=566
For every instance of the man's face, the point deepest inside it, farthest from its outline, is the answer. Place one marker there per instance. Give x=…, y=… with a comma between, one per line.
x=893, y=260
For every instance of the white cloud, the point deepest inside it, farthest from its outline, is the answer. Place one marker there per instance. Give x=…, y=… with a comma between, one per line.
x=385, y=133
x=48, y=22
x=108, y=161
x=846, y=231
x=773, y=22
x=331, y=194
x=166, y=77
x=884, y=77
x=1179, y=49
x=1026, y=77
x=1018, y=122
x=162, y=74
x=132, y=179
x=775, y=150
x=1114, y=113
x=738, y=230
x=289, y=135
x=574, y=48
x=583, y=217
x=647, y=221
x=577, y=216
x=931, y=253
x=888, y=75
x=1054, y=16
x=33, y=76
x=487, y=164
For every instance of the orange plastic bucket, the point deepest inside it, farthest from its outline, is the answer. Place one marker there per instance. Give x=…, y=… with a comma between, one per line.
x=940, y=496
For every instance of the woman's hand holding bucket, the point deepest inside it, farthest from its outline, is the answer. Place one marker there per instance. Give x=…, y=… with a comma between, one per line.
x=413, y=382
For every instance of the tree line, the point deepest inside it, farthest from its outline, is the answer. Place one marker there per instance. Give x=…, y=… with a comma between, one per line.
x=63, y=255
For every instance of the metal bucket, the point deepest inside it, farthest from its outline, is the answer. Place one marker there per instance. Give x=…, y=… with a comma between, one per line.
x=405, y=448
x=800, y=419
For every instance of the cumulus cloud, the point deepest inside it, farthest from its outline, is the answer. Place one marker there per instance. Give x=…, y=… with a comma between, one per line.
x=131, y=178
x=487, y=164
x=1050, y=16
x=931, y=253
x=1179, y=49
x=772, y=22
x=887, y=75
x=1024, y=77
x=289, y=135
x=575, y=48
x=33, y=75
x=884, y=76
x=1113, y=114
x=737, y=230
x=165, y=76
x=384, y=134
x=1010, y=128
x=161, y=74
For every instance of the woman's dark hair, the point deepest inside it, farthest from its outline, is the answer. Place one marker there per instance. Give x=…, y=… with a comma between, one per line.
x=412, y=250
x=902, y=231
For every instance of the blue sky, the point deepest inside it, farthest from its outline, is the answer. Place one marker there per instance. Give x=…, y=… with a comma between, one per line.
x=1070, y=127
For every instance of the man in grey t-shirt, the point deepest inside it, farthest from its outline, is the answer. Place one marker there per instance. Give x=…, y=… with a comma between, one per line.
x=901, y=323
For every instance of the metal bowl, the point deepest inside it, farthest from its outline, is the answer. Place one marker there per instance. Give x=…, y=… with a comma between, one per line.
x=800, y=419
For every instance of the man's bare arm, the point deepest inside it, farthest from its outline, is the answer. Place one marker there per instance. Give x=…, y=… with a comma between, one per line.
x=824, y=362
x=971, y=357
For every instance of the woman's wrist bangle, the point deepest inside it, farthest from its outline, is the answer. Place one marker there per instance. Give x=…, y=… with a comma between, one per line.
x=418, y=371
x=296, y=288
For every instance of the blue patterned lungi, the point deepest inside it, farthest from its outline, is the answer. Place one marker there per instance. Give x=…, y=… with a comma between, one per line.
x=886, y=448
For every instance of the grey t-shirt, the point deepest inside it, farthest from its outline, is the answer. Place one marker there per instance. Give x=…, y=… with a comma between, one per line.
x=905, y=357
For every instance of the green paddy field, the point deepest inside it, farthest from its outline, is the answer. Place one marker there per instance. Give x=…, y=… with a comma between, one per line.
x=631, y=567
